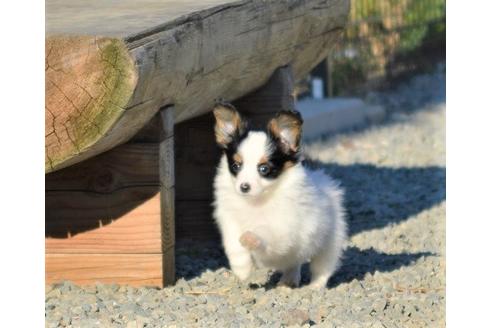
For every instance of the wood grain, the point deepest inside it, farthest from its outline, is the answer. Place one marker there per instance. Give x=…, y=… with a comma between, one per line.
x=225, y=51
x=128, y=165
x=84, y=269
x=126, y=221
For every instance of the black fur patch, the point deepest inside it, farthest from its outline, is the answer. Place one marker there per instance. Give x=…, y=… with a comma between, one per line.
x=231, y=150
x=278, y=159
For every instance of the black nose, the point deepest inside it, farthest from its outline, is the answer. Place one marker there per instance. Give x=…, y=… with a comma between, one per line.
x=245, y=187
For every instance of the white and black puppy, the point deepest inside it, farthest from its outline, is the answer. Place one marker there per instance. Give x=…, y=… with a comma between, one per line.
x=271, y=211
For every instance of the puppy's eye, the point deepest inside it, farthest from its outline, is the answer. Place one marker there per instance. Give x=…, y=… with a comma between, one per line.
x=263, y=169
x=236, y=166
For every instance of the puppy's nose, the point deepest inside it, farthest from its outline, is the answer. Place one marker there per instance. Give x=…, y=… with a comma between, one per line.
x=245, y=187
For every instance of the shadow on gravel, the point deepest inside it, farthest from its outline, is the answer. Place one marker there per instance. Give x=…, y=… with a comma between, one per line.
x=379, y=196
x=195, y=257
x=356, y=264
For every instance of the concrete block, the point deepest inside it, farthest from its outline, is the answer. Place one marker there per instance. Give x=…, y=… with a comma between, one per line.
x=325, y=116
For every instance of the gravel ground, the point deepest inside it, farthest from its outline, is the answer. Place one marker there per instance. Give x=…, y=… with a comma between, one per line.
x=393, y=272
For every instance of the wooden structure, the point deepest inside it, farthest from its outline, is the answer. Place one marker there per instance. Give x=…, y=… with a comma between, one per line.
x=126, y=82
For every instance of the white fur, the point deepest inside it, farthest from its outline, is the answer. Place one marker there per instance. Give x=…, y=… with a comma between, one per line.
x=298, y=217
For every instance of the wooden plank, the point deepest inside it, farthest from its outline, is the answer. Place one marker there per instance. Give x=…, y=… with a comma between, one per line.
x=194, y=220
x=85, y=269
x=128, y=165
x=227, y=51
x=126, y=221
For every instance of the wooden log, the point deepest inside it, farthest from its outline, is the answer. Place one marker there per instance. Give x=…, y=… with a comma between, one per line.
x=88, y=82
x=101, y=91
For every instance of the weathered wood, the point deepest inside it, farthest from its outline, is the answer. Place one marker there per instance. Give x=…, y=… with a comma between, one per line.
x=197, y=154
x=88, y=82
x=84, y=269
x=225, y=51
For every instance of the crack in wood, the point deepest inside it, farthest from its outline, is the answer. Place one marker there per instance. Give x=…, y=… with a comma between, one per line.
x=70, y=138
x=53, y=125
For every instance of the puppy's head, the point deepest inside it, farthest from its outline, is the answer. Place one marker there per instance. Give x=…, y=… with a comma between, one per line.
x=256, y=159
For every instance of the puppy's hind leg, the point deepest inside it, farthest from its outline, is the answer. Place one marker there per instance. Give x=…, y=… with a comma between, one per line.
x=324, y=264
x=291, y=277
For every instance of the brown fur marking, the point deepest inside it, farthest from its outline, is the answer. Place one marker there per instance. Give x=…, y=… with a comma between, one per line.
x=287, y=122
x=263, y=160
x=288, y=164
x=224, y=116
x=236, y=157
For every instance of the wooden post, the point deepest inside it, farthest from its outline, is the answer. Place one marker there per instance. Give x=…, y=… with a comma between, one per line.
x=329, y=77
x=166, y=180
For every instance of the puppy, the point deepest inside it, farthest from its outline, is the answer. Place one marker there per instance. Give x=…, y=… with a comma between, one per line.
x=271, y=211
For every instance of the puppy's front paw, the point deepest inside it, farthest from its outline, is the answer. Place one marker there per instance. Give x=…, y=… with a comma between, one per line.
x=250, y=241
x=242, y=273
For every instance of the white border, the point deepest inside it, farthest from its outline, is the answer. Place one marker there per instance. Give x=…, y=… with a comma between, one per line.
x=469, y=164
x=22, y=169
x=469, y=153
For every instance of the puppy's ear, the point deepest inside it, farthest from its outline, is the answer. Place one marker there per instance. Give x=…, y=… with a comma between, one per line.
x=228, y=123
x=286, y=130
